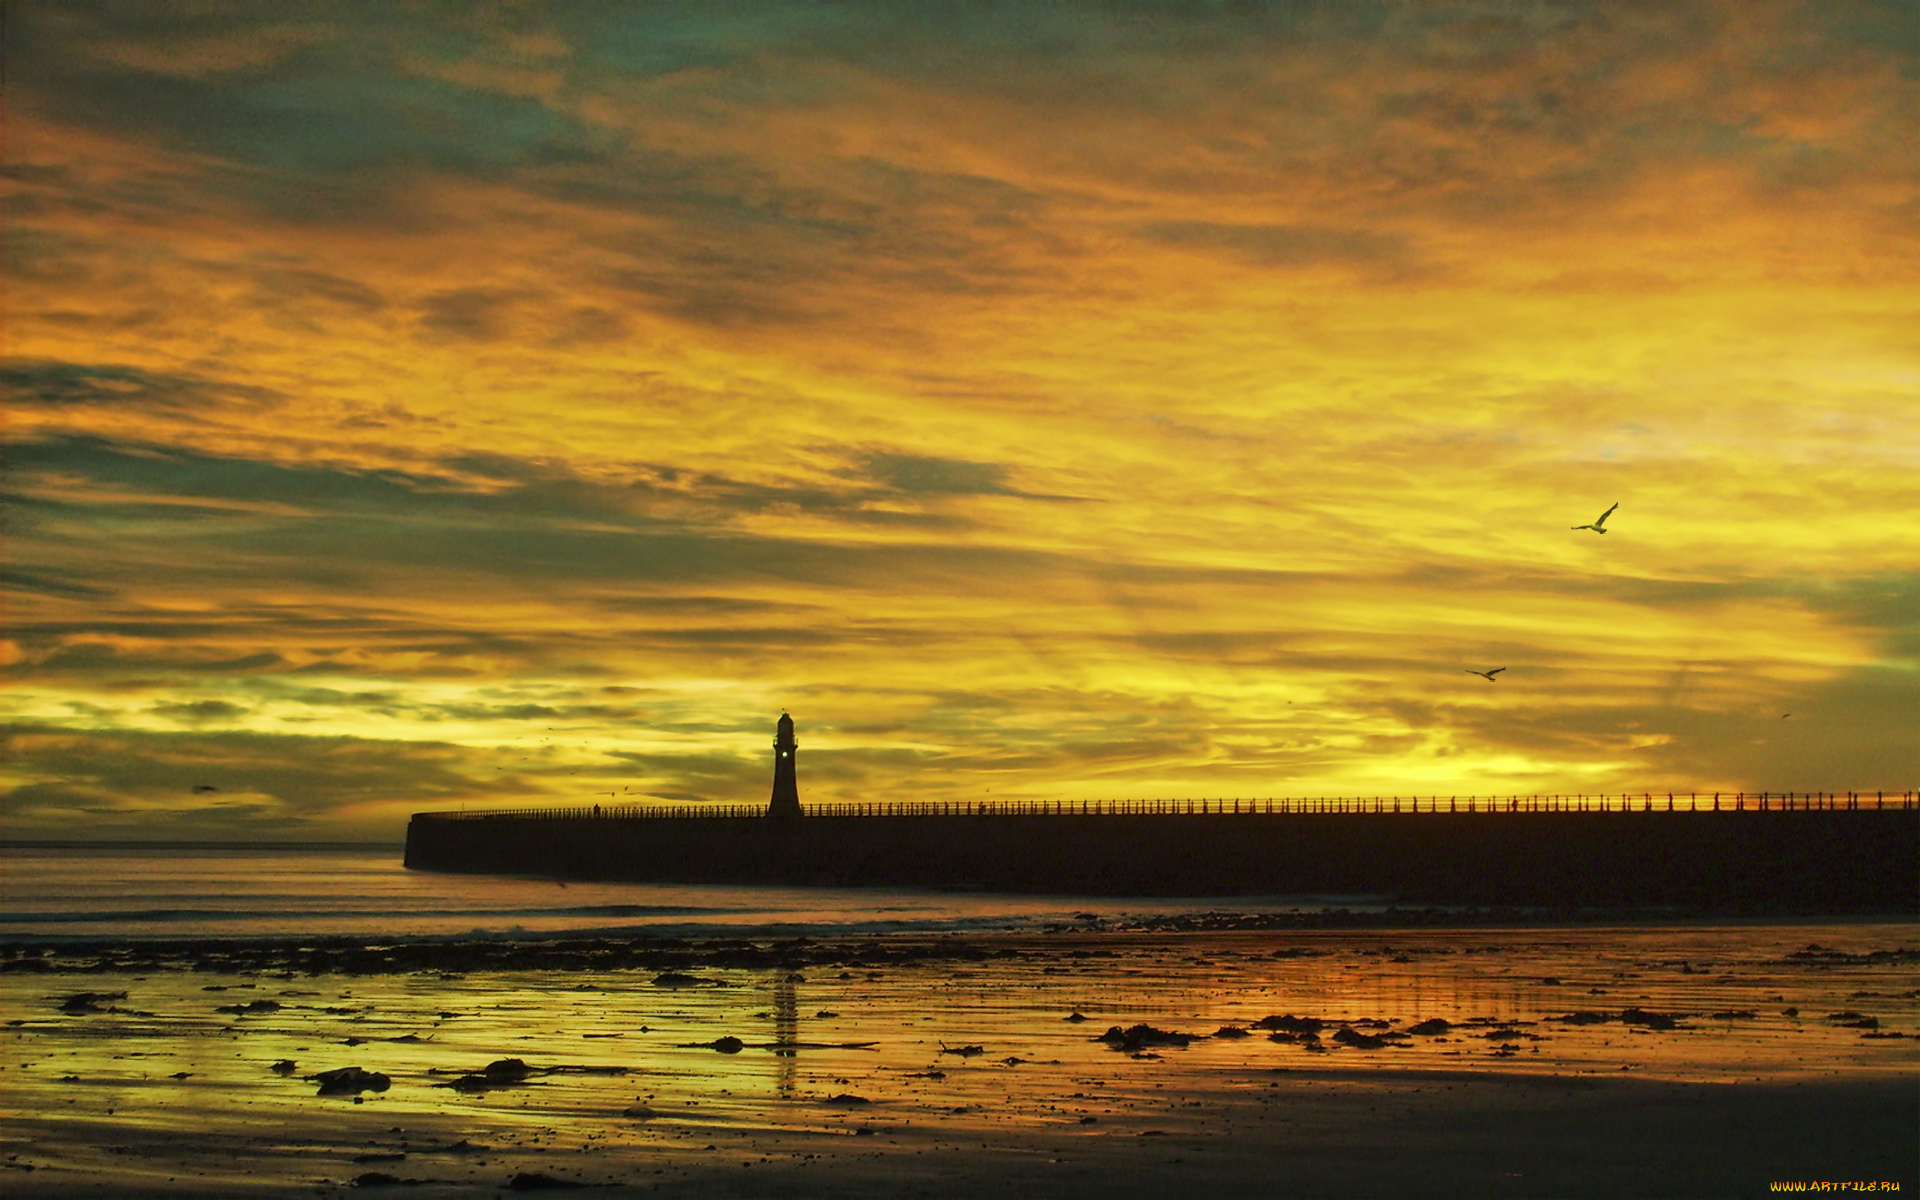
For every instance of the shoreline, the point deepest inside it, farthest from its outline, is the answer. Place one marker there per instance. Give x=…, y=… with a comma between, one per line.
x=587, y=949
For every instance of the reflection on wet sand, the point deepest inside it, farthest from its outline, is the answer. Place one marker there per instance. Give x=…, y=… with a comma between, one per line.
x=1074, y=1047
x=786, y=1032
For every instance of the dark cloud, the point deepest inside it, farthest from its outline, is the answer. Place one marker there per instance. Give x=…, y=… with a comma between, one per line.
x=1286, y=245
x=105, y=385
x=467, y=314
x=171, y=651
x=587, y=325
x=715, y=291
x=565, y=715
x=365, y=543
x=26, y=581
x=1887, y=605
x=698, y=778
x=1853, y=731
x=1243, y=646
x=1455, y=100
x=732, y=245
x=43, y=256
x=124, y=783
x=330, y=697
x=932, y=477
x=288, y=283
x=36, y=173
x=940, y=476
x=337, y=101
x=197, y=711
x=457, y=516
x=715, y=607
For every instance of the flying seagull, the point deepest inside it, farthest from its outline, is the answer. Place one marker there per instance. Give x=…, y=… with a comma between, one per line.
x=1488, y=675
x=1600, y=526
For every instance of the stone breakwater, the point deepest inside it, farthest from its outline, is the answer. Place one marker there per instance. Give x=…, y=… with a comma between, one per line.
x=1818, y=861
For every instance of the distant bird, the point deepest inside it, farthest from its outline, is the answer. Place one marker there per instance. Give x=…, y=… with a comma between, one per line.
x=1600, y=526
x=205, y=787
x=1488, y=675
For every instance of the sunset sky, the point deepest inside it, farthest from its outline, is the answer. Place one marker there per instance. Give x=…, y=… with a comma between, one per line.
x=411, y=406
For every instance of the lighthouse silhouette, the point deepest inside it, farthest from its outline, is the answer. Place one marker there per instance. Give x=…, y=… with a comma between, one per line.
x=786, y=794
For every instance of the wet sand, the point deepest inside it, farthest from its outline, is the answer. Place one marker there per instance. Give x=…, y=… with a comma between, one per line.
x=1319, y=1133
x=1698, y=1062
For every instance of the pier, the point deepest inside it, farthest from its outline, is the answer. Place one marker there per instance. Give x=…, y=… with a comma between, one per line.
x=1535, y=803
x=1818, y=852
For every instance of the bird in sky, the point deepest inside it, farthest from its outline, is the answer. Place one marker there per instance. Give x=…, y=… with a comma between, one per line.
x=1488, y=675
x=1600, y=526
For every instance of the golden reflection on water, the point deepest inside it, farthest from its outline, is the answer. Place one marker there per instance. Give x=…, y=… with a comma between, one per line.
x=786, y=1032
x=630, y=1062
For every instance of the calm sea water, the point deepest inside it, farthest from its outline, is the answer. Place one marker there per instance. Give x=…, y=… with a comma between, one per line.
x=50, y=892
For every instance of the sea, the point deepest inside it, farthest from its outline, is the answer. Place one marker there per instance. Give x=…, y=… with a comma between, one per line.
x=77, y=891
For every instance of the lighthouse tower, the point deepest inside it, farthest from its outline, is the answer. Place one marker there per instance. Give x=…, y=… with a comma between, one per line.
x=786, y=794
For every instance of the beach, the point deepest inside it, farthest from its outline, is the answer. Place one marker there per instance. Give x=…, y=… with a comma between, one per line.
x=1683, y=1060
x=1312, y=1133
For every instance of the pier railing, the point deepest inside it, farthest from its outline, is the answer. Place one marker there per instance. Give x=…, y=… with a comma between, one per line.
x=1556, y=803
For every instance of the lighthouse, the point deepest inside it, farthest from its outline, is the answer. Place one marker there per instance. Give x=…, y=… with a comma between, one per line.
x=786, y=794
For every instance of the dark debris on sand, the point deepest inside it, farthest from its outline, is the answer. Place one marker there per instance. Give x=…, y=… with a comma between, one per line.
x=251, y=1008
x=512, y=1072
x=81, y=1003
x=539, y=1181
x=1644, y=1018
x=1347, y=1036
x=1139, y=1037
x=1288, y=1023
x=1818, y=955
x=500, y=1073
x=349, y=1081
x=380, y=1179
